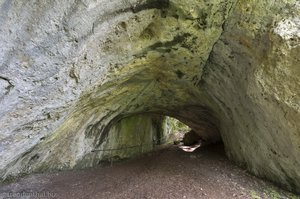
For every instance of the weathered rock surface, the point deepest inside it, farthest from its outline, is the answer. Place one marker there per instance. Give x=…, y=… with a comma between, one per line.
x=254, y=75
x=125, y=139
x=71, y=71
x=191, y=138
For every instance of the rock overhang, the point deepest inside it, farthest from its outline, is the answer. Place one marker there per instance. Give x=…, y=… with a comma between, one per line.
x=110, y=60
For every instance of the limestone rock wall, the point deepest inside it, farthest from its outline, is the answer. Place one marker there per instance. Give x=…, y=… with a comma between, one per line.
x=254, y=75
x=127, y=138
x=71, y=71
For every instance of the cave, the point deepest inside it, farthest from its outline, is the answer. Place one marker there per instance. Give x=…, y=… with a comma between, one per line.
x=75, y=74
x=138, y=134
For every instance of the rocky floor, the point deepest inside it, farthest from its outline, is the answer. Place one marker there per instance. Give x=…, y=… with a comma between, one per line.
x=166, y=173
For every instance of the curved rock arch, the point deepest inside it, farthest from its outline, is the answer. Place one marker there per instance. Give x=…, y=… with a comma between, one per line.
x=78, y=65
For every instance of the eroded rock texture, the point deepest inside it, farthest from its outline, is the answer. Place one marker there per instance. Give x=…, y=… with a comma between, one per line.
x=75, y=75
x=253, y=73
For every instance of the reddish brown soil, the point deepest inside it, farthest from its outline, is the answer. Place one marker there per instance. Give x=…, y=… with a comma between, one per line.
x=167, y=173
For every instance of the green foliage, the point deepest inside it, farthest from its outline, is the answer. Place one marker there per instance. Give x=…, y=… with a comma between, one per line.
x=254, y=195
x=276, y=194
x=175, y=125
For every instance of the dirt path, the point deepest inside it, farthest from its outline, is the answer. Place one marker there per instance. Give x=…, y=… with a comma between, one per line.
x=168, y=173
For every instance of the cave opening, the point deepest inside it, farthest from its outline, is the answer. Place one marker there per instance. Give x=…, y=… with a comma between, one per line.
x=138, y=134
x=181, y=135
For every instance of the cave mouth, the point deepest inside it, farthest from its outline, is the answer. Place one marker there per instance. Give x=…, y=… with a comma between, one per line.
x=138, y=134
x=182, y=135
x=174, y=130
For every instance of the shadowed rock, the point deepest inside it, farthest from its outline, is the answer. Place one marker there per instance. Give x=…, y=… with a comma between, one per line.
x=76, y=75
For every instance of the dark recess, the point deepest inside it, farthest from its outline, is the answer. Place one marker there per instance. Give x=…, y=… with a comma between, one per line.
x=151, y=4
